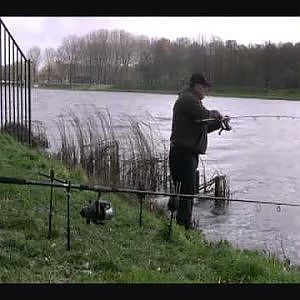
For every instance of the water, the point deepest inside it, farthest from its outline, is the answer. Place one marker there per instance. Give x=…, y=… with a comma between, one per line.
x=259, y=157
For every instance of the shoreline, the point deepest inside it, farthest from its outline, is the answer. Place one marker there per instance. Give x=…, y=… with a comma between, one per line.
x=289, y=95
x=122, y=252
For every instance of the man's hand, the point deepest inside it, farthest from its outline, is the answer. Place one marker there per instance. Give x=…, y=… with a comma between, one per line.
x=215, y=114
x=226, y=118
x=225, y=124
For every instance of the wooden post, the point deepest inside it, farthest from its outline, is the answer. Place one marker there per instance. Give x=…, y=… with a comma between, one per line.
x=219, y=205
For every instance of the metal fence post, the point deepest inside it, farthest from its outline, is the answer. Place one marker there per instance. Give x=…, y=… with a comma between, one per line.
x=12, y=89
x=68, y=214
x=50, y=206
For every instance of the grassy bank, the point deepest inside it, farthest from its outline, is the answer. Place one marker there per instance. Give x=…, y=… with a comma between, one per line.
x=104, y=88
x=275, y=94
x=234, y=92
x=119, y=251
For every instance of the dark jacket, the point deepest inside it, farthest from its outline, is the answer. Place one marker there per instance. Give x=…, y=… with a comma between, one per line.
x=186, y=132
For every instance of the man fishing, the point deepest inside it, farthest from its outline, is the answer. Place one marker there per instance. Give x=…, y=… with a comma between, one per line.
x=188, y=140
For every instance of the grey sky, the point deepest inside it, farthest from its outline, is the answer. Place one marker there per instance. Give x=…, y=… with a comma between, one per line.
x=50, y=31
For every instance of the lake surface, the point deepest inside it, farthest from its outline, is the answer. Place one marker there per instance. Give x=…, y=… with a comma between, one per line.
x=260, y=157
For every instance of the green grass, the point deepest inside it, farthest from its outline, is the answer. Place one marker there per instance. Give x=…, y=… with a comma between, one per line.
x=119, y=251
x=217, y=91
x=247, y=92
x=102, y=87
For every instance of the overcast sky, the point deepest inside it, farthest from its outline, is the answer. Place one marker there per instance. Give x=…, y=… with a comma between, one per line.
x=49, y=31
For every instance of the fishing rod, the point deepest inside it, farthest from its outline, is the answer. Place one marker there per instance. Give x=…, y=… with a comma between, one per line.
x=226, y=119
x=251, y=117
x=107, y=189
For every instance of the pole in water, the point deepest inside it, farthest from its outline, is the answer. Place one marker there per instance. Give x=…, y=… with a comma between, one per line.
x=68, y=215
x=50, y=206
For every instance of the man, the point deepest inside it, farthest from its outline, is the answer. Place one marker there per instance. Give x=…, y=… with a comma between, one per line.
x=188, y=140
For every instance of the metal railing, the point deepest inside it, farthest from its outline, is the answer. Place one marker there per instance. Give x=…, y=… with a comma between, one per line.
x=15, y=88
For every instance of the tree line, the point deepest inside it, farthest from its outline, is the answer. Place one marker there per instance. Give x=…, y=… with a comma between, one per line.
x=125, y=60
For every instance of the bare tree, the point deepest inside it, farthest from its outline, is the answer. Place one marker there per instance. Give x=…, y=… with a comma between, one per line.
x=34, y=54
x=49, y=58
x=122, y=59
x=68, y=54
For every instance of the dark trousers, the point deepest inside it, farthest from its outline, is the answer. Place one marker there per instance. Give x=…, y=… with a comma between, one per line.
x=183, y=166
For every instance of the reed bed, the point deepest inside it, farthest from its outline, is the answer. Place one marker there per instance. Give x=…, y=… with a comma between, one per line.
x=127, y=158
x=126, y=152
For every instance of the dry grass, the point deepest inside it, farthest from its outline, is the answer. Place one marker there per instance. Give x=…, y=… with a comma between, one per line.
x=129, y=160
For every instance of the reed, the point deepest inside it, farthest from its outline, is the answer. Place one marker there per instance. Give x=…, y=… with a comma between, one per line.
x=126, y=158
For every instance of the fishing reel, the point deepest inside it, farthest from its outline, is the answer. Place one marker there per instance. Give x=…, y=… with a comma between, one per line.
x=225, y=125
x=97, y=212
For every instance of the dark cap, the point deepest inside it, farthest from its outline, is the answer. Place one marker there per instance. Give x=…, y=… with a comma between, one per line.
x=198, y=78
